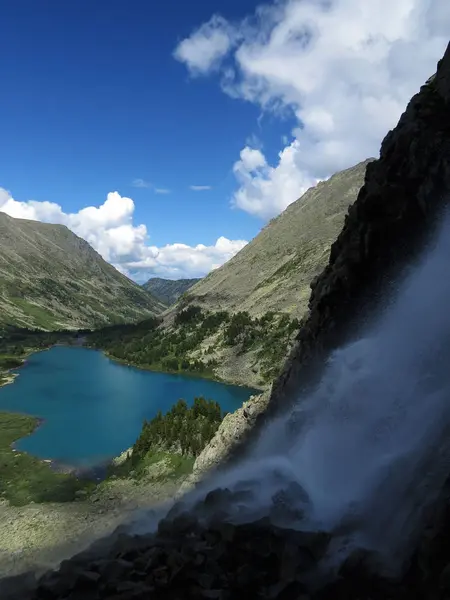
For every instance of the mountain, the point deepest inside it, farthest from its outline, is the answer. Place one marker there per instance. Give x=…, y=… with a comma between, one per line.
x=166, y=290
x=396, y=213
x=393, y=219
x=50, y=278
x=238, y=323
x=274, y=271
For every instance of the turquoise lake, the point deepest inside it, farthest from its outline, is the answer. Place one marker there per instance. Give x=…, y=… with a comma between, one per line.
x=92, y=407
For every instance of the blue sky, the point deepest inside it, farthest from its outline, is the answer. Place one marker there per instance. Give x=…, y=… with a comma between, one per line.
x=148, y=100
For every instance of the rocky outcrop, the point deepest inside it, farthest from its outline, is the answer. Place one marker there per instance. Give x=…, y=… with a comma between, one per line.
x=234, y=427
x=202, y=554
x=273, y=271
x=192, y=555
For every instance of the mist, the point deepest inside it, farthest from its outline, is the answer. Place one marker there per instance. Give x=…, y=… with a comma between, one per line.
x=366, y=452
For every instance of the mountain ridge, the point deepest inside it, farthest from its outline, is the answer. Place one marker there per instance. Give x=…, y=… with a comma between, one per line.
x=50, y=278
x=274, y=270
x=237, y=324
x=168, y=290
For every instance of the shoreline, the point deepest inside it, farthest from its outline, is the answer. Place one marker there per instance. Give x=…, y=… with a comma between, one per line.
x=190, y=374
x=10, y=377
x=96, y=472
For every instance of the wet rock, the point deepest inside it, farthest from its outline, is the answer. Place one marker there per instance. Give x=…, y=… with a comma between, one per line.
x=185, y=523
x=286, y=590
x=218, y=498
x=116, y=569
x=17, y=587
x=444, y=579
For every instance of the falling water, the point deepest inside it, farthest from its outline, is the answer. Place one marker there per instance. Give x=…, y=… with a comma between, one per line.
x=370, y=447
x=368, y=450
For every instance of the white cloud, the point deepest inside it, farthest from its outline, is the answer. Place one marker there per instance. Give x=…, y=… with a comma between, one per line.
x=141, y=183
x=344, y=70
x=206, y=47
x=109, y=228
x=200, y=188
x=265, y=191
x=162, y=191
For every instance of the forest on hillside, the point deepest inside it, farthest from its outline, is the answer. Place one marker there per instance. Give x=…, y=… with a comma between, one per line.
x=170, y=349
x=183, y=429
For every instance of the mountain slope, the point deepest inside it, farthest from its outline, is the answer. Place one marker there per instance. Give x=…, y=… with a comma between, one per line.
x=274, y=271
x=393, y=219
x=238, y=323
x=50, y=278
x=166, y=290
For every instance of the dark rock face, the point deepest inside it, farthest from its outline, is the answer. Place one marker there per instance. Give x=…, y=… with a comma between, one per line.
x=403, y=195
x=201, y=554
x=196, y=554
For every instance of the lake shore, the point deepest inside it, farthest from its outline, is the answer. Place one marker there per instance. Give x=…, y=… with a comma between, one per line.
x=8, y=378
x=47, y=515
x=190, y=374
x=96, y=472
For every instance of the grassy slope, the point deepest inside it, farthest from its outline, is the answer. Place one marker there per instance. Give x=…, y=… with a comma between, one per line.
x=274, y=271
x=52, y=279
x=197, y=341
x=25, y=479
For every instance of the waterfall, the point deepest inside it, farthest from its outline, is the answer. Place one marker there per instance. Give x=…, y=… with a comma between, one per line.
x=369, y=448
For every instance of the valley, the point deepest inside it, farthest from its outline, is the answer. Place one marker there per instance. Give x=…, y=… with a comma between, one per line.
x=321, y=473
x=50, y=279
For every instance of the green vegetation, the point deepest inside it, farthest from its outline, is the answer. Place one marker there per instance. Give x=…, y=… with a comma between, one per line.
x=157, y=465
x=25, y=479
x=183, y=429
x=52, y=279
x=150, y=346
x=269, y=336
x=168, y=291
x=40, y=316
x=182, y=347
x=9, y=362
x=177, y=437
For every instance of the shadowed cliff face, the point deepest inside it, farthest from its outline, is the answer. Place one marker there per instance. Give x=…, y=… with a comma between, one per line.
x=403, y=194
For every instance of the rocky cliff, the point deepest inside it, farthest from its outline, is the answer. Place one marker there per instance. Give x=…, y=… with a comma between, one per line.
x=275, y=269
x=403, y=196
x=396, y=210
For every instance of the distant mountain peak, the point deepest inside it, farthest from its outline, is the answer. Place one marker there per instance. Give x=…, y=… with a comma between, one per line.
x=168, y=291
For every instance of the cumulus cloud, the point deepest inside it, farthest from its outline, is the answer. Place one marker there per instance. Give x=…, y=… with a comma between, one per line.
x=109, y=228
x=343, y=68
x=264, y=190
x=207, y=46
x=200, y=188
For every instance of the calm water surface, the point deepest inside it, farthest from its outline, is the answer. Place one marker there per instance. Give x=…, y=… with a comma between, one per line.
x=93, y=408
